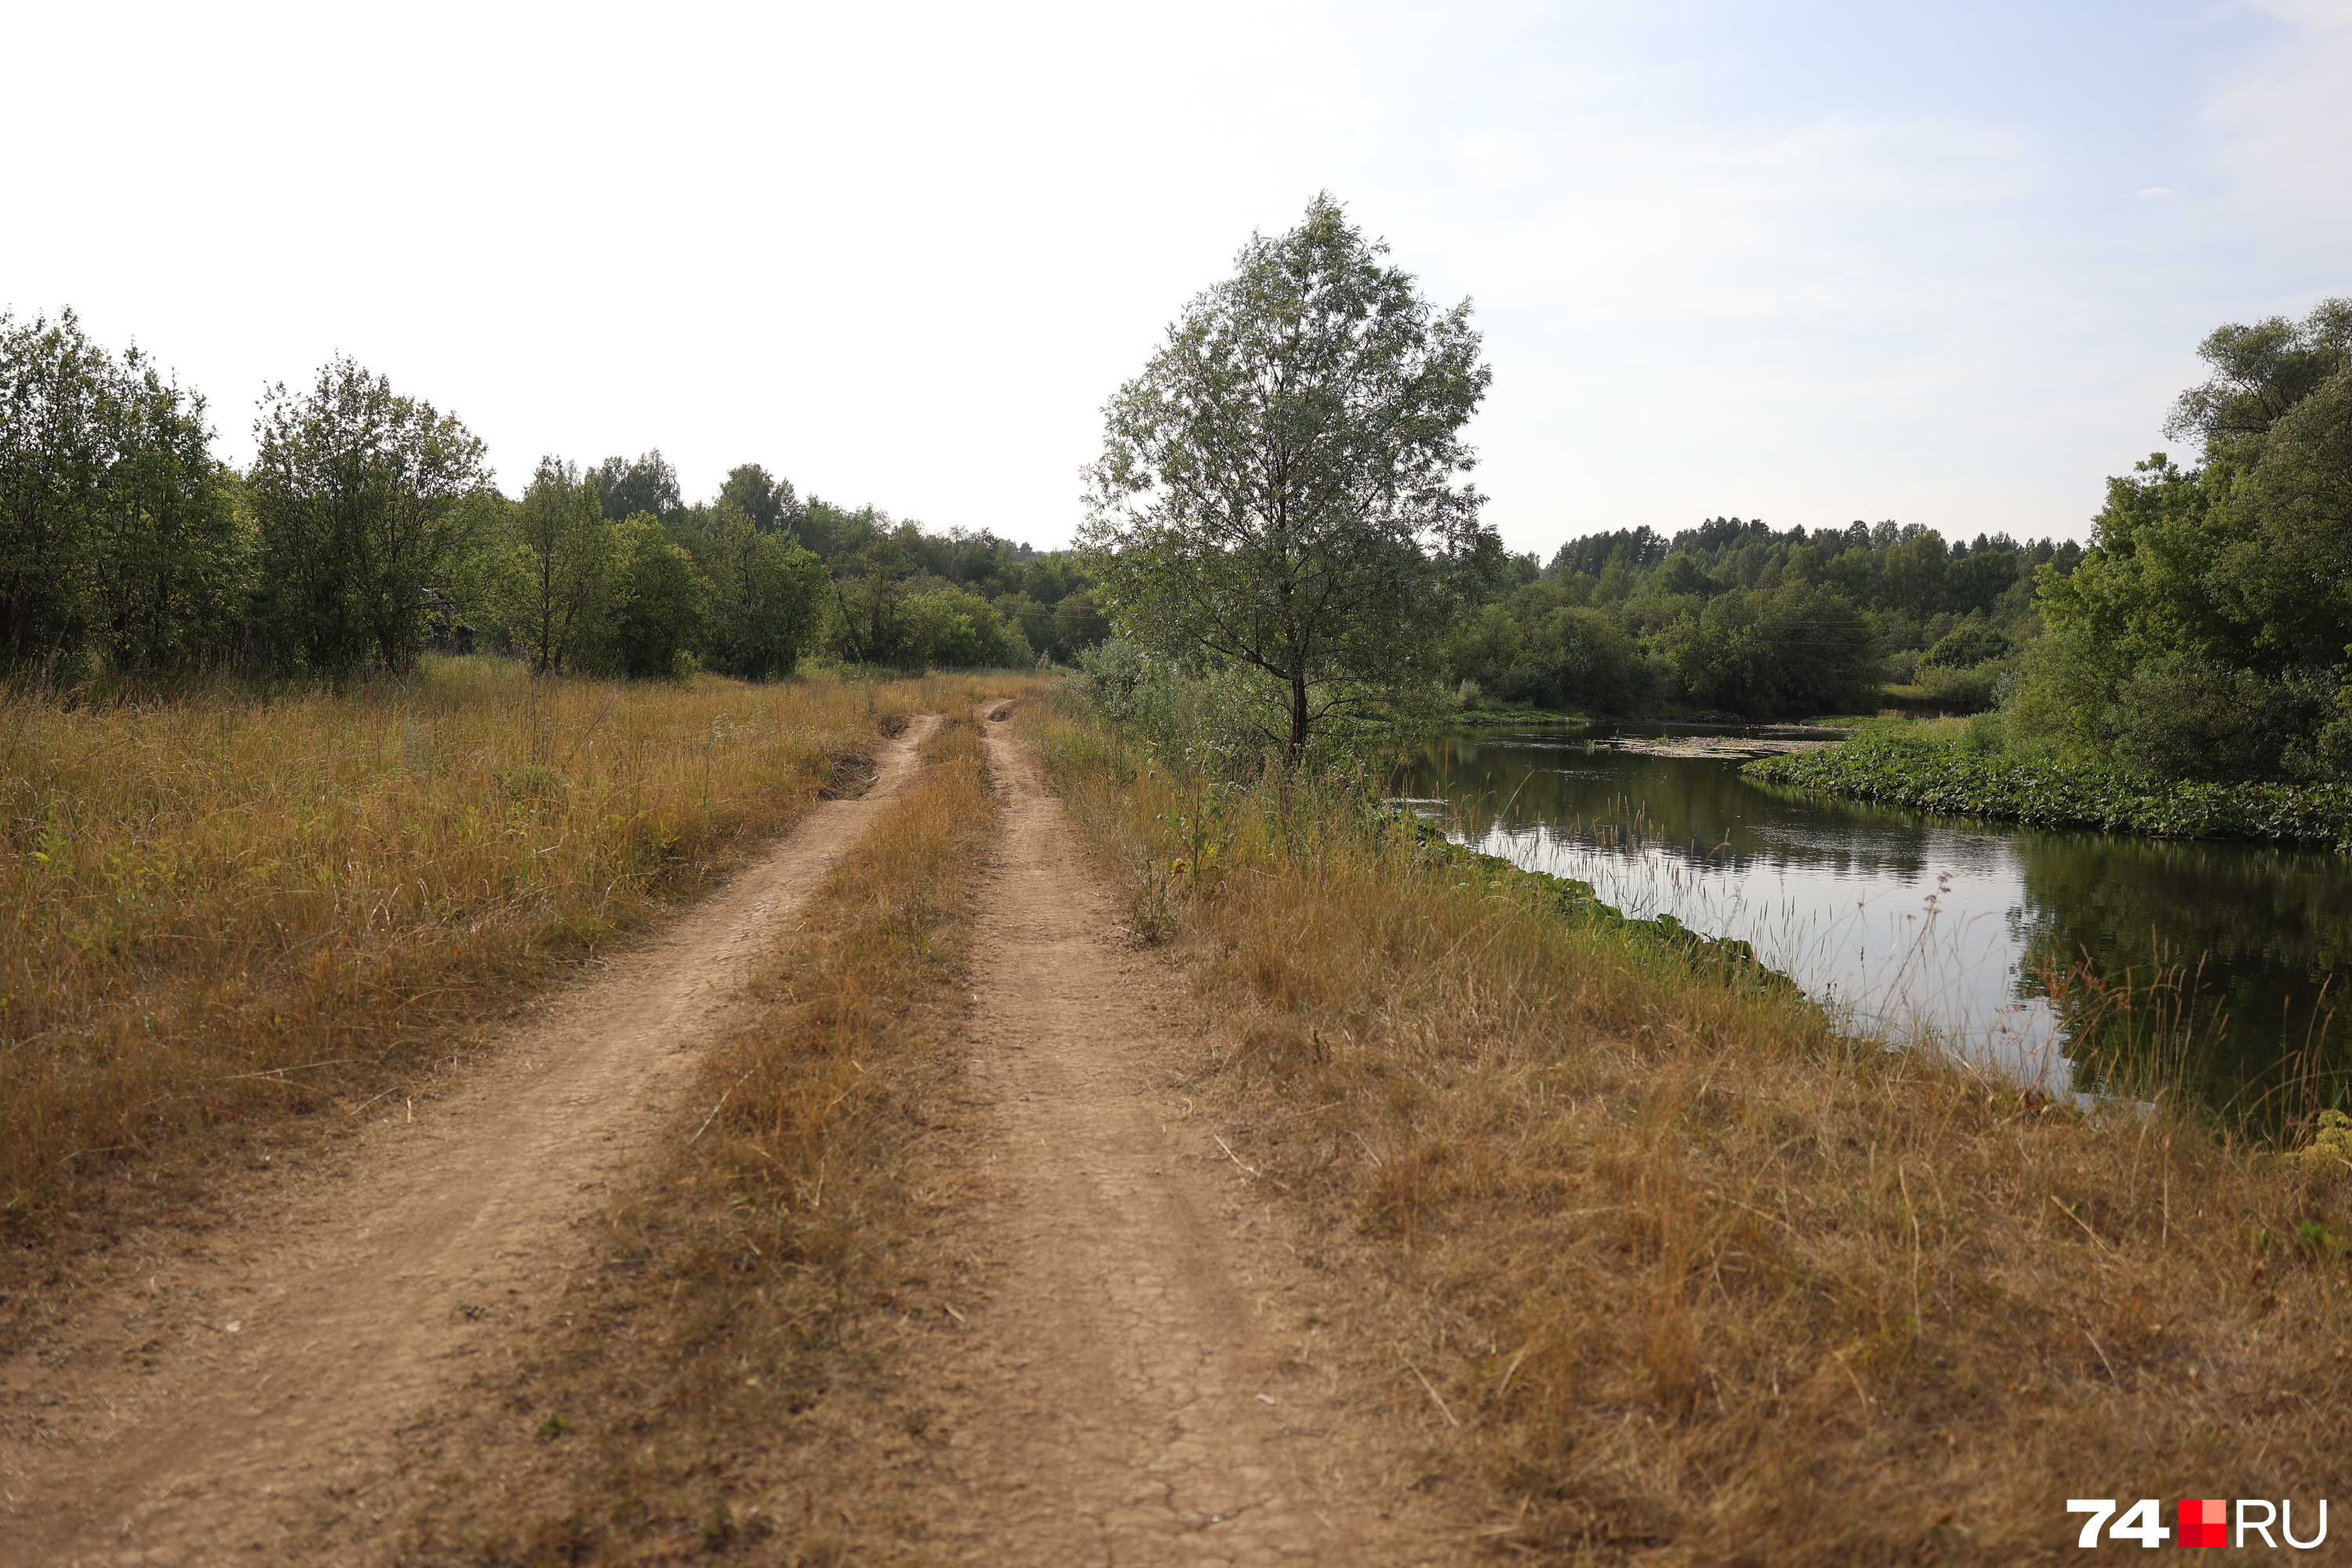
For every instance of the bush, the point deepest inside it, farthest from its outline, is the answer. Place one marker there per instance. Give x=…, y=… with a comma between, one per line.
x=957, y=631
x=1594, y=664
x=1964, y=647
x=2185, y=718
x=1793, y=650
x=1935, y=776
x=659, y=609
x=1963, y=691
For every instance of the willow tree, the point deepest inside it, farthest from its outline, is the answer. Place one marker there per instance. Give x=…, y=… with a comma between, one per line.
x=1281, y=488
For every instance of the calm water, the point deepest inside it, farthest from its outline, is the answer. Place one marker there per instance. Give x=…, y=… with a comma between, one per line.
x=2080, y=960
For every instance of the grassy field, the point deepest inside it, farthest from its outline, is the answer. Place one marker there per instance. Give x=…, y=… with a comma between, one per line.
x=729, y=1374
x=1665, y=1270
x=230, y=910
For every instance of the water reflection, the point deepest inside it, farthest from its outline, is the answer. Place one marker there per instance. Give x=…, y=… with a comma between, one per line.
x=2067, y=960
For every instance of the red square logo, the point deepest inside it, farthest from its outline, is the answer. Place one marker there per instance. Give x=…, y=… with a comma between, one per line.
x=2204, y=1521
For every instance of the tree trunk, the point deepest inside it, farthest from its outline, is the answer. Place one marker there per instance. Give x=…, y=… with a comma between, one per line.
x=1297, y=749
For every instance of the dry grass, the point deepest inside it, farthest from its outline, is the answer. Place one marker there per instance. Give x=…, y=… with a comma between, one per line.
x=1699, y=1281
x=729, y=1375
x=227, y=910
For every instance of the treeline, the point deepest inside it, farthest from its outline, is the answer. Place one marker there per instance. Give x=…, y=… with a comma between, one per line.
x=368, y=528
x=1738, y=617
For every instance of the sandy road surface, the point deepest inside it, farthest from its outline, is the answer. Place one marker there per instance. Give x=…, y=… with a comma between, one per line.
x=1147, y=1382
x=238, y=1404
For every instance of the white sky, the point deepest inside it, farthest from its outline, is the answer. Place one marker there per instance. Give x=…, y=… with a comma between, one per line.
x=1813, y=262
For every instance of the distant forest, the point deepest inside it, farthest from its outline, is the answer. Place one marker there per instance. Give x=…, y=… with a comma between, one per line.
x=2204, y=633
x=1738, y=617
x=368, y=530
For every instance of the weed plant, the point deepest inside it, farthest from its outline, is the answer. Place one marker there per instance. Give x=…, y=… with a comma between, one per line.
x=1665, y=1267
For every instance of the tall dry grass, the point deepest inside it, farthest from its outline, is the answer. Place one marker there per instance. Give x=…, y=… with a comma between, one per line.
x=729, y=1375
x=1667, y=1271
x=226, y=907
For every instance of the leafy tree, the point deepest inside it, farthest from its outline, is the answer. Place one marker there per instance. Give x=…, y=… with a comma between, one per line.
x=659, y=604
x=1594, y=664
x=2260, y=371
x=2205, y=632
x=1791, y=651
x=768, y=501
x=119, y=530
x=561, y=568
x=355, y=491
x=649, y=486
x=1276, y=489
x=1964, y=647
x=1680, y=573
x=958, y=630
x=170, y=565
x=767, y=598
x=1078, y=625
x=54, y=455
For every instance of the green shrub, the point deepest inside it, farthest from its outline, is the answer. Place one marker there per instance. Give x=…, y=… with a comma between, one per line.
x=1939, y=775
x=1964, y=647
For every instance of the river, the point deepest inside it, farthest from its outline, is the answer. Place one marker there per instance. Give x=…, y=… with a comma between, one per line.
x=2082, y=962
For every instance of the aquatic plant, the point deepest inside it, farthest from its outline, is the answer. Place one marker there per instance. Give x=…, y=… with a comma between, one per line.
x=1937, y=776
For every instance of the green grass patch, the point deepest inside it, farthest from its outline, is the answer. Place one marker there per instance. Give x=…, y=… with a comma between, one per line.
x=1933, y=774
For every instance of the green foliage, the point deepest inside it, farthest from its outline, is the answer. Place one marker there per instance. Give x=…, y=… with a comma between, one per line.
x=355, y=493
x=1936, y=775
x=647, y=488
x=368, y=530
x=1792, y=650
x=658, y=602
x=950, y=629
x=1965, y=646
x=2206, y=633
x=1276, y=489
x=2330, y=1148
x=766, y=501
x=119, y=532
x=1719, y=617
x=1960, y=690
x=2261, y=372
x=767, y=597
x=559, y=569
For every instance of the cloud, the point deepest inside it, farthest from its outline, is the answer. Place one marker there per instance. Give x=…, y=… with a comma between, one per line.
x=2155, y=191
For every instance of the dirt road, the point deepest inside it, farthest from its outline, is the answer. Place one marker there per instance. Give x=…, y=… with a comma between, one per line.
x=240, y=1401
x=1148, y=1379
x=1149, y=1383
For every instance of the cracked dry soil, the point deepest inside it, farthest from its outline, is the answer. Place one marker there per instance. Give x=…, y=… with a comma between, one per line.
x=1151, y=1379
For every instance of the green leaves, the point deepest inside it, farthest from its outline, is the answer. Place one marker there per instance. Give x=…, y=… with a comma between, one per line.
x=119, y=531
x=1277, y=489
x=355, y=490
x=1932, y=776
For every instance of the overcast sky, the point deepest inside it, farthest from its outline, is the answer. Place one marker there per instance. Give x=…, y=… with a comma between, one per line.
x=1811, y=262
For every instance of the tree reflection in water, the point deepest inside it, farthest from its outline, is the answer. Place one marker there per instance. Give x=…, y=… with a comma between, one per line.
x=2084, y=960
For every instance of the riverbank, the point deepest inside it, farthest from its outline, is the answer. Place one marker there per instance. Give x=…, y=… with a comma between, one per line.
x=1657, y=1264
x=1516, y=719
x=1946, y=775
